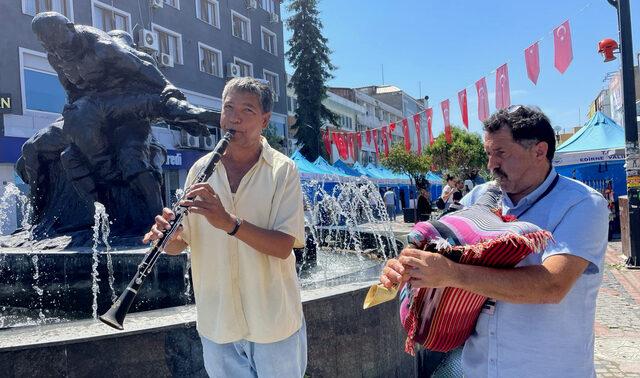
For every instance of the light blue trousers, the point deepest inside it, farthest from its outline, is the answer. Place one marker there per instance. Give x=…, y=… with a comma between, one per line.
x=246, y=359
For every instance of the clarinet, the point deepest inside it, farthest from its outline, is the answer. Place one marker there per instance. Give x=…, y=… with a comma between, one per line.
x=114, y=317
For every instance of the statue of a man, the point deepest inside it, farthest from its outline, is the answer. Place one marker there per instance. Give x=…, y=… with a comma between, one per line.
x=110, y=86
x=101, y=149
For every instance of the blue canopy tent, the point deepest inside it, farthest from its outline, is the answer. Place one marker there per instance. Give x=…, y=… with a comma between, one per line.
x=309, y=170
x=323, y=164
x=435, y=185
x=342, y=166
x=595, y=155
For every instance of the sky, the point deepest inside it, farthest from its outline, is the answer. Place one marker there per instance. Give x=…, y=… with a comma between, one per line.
x=437, y=48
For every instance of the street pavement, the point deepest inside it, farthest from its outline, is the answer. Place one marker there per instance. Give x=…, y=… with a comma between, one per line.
x=617, y=345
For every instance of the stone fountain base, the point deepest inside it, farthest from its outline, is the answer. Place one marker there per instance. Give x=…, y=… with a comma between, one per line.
x=343, y=341
x=65, y=281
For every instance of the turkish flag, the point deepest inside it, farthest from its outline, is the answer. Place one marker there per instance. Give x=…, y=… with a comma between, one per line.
x=392, y=126
x=417, y=119
x=405, y=132
x=368, y=136
x=375, y=143
x=341, y=144
x=462, y=100
x=532, y=60
x=359, y=139
x=326, y=138
x=503, y=96
x=352, y=138
x=483, y=99
x=563, y=52
x=447, y=125
x=429, y=114
x=385, y=140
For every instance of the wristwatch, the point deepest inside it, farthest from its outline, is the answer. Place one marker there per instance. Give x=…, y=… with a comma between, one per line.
x=236, y=227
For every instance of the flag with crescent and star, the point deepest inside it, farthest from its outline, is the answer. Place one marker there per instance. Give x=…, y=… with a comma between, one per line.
x=483, y=99
x=503, y=97
x=429, y=114
x=532, y=60
x=416, y=122
x=563, y=52
x=445, y=116
x=462, y=99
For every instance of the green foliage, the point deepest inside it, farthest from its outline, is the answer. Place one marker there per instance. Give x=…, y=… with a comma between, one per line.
x=401, y=161
x=274, y=140
x=464, y=158
x=309, y=55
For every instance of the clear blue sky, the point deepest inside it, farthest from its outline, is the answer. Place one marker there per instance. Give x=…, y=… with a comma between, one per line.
x=448, y=45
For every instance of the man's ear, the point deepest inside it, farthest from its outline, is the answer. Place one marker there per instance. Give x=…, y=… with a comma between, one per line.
x=541, y=149
x=265, y=120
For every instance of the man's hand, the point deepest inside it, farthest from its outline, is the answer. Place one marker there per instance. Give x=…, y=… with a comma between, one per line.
x=161, y=226
x=393, y=274
x=207, y=203
x=171, y=92
x=427, y=269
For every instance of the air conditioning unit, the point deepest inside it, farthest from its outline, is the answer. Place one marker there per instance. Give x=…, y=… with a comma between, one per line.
x=188, y=140
x=148, y=40
x=233, y=70
x=157, y=3
x=208, y=142
x=273, y=17
x=252, y=4
x=166, y=60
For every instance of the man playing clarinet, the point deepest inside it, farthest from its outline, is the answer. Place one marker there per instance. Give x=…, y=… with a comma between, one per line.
x=241, y=228
x=539, y=321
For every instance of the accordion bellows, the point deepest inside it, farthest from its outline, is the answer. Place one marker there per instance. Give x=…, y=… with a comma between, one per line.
x=442, y=319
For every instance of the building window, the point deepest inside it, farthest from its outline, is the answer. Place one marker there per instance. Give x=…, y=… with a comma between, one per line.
x=291, y=104
x=210, y=60
x=208, y=11
x=268, y=5
x=246, y=68
x=33, y=7
x=269, y=41
x=240, y=26
x=273, y=79
x=170, y=43
x=41, y=88
x=173, y=3
x=107, y=18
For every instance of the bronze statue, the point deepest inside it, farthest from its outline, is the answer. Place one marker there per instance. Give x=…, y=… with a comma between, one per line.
x=101, y=149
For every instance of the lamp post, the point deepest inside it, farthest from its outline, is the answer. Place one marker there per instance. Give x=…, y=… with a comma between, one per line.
x=632, y=160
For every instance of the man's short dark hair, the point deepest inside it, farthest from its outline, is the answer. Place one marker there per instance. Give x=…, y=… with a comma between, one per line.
x=527, y=124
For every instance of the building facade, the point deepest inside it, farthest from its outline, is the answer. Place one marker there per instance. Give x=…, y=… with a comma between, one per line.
x=199, y=45
x=375, y=115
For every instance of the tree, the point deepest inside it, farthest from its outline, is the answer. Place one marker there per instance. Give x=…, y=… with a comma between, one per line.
x=274, y=140
x=309, y=55
x=405, y=162
x=465, y=157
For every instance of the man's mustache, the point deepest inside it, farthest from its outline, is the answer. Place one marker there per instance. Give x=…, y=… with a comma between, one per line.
x=499, y=173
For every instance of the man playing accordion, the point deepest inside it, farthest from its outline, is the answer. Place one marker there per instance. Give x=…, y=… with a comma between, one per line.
x=539, y=320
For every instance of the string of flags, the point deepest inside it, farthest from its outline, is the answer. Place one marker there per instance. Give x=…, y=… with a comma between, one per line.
x=346, y=142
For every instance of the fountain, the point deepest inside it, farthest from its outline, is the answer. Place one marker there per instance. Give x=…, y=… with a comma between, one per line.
x=78, y=243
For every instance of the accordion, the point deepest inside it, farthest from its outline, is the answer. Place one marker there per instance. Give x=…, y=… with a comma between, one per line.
x=441, y=319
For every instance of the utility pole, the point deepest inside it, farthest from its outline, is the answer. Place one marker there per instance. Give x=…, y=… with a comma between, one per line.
x=631, y=130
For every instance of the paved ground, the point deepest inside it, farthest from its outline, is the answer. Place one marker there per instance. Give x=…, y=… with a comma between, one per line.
x=617, y=348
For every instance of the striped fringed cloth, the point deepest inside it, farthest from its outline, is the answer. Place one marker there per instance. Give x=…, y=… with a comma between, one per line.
x=442, y=319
